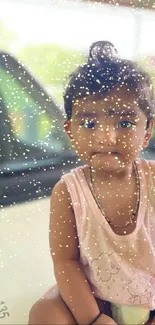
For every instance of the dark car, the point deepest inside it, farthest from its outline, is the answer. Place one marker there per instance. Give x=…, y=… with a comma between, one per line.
x=34, y=149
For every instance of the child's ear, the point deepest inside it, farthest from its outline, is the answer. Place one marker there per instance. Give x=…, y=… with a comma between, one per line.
x=148, y=133
x=67, y=127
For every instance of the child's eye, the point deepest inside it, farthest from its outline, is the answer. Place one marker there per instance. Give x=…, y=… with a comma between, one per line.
x=125, y=124
x=88, y=124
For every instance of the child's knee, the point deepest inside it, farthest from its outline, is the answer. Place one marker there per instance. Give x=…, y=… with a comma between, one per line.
x=33, y=314
x=39, y=312
x=50, y=312
x=42, y=310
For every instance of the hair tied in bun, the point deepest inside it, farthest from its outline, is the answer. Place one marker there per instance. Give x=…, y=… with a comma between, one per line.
x=103, y=50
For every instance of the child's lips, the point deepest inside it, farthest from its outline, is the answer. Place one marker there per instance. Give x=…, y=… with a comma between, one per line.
x=105, y=153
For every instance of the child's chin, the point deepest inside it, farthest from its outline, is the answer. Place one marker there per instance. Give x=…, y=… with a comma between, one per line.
x=109, y=165
x=113, y=160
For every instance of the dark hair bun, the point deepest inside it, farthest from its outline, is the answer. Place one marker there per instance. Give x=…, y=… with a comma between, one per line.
x=102, y=50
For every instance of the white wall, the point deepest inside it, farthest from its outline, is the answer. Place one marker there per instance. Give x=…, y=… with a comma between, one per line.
x=77, y=24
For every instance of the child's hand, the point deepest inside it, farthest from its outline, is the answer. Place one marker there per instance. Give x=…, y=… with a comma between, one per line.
x=105, y=320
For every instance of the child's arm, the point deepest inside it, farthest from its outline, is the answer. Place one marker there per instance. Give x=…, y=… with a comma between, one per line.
x=73, y=285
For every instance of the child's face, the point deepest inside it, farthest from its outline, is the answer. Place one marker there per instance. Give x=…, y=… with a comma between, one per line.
x=109, y=132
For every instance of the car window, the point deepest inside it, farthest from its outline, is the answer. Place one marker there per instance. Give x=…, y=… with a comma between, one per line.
x=30, y=124
x=31, y=127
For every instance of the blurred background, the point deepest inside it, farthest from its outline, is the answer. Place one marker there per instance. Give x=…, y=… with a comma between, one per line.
x=41, y=43
x=51, y=37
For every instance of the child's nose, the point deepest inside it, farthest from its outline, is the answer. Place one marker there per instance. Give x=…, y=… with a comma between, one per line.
x=106, y=135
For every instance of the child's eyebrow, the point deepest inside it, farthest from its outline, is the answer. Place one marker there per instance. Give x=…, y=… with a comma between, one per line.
x=86, y=114
x=110, y=112
x=123, y=113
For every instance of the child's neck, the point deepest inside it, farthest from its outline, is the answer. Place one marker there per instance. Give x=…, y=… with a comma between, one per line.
x=121, y=175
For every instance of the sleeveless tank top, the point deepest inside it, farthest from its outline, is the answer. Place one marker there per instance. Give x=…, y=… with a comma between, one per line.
x=121, y=269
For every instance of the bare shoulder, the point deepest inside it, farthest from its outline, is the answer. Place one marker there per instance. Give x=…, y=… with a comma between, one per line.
x=150, y=174
x=60, y=193
x=152, y=166
x=62, y=228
